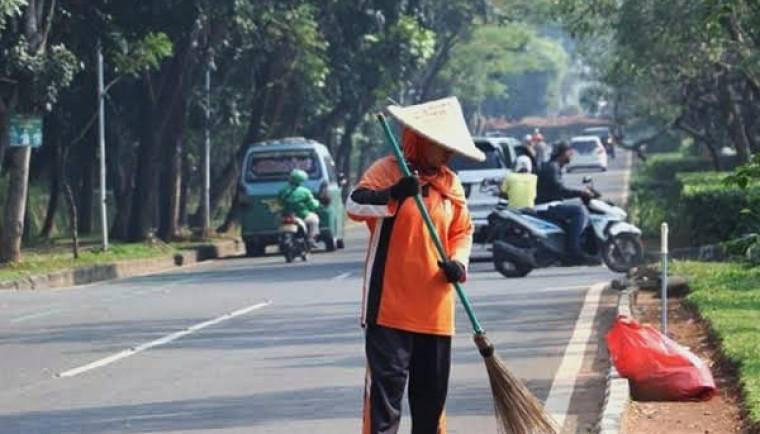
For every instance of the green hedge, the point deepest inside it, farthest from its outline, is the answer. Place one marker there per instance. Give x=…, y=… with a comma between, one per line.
x=714, y=212
x=700, y=208
x=664, y=167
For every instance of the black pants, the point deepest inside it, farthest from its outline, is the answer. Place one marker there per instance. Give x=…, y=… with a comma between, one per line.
x=393, y=356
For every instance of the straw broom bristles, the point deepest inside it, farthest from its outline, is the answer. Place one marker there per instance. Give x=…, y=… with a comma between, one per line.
x=517, y=410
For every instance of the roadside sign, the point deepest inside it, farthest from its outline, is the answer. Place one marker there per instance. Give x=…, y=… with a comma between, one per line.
x=25, y=131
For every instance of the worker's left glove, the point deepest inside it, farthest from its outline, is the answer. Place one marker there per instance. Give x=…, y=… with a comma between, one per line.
x=454, y=271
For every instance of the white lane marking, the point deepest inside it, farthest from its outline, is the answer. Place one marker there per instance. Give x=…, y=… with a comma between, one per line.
x=160, y=341
x=43, y=314
x=563, y=385
x=340, y=277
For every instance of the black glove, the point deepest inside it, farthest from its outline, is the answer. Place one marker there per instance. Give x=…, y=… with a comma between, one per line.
x=406, y=187
x=454, y=270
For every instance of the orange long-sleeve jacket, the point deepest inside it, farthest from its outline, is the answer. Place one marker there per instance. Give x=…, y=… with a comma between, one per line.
x=404, y=288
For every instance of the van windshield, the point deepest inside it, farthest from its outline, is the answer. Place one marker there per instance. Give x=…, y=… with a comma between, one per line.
x=276, y=165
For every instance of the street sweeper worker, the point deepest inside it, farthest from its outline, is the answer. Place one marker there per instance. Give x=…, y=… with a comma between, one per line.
x=408, y=302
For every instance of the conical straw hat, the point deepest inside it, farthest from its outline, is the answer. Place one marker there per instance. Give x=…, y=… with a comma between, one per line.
x=442, y=122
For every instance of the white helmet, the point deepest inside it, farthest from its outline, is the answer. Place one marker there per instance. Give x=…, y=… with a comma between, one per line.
x=523, y=164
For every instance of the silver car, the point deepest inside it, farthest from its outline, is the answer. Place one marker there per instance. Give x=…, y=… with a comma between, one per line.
x=482, y=180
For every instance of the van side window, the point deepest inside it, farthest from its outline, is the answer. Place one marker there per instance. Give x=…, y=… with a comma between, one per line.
x=332, y=176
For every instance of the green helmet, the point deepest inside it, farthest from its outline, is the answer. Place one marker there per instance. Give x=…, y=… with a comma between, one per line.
x=298, y=176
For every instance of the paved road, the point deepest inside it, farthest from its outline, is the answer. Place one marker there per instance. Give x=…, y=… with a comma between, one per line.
x=258, y=346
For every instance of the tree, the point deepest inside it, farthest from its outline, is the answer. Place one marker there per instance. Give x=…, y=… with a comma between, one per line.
x=691, y=66
x=35, y=74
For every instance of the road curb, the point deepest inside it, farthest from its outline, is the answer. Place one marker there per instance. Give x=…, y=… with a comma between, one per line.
x=618, y=393
x=128, y=268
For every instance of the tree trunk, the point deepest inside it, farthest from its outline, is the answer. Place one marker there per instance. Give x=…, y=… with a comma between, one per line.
x=232, y=217
x=123, y=197
x=733, y=118
x=55, y=190
x=144, y=194
x=184, y=189
x=87, y=187
x=72, y=205
x=15, y=205
x=171, y=185
x=346, y=145
x=4, y=114
x=164, y=108
x=702, y=137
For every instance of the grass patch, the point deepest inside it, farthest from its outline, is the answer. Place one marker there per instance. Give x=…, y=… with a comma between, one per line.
x=728, y=296
x=41, y=263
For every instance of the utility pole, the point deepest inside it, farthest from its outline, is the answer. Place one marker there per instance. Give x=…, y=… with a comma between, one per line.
x=102, y=148
x=206, y=206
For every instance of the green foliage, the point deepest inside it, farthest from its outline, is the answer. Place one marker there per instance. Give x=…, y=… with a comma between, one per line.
x=669, y=62
x=746, y=175
x=47, y=72
x=497, y=56
x=665, y=167
x=9, y=8
x=701, y=209
x=728, y=297
x=419, y=42
x=715, y=212
x=145, y=54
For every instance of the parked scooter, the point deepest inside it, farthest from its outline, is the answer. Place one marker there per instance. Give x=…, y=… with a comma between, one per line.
x=294, y=241
x=522, y=240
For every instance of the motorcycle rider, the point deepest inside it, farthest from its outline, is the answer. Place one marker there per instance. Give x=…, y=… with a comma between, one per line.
x=519, y=187
x=298, y=200
x=551, y=188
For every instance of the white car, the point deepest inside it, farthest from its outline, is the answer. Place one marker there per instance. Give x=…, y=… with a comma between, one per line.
x=482, y=180
x=588, y=153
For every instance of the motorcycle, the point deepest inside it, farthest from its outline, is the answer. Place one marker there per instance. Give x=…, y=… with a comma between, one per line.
x=293, y=238
x=522, y=240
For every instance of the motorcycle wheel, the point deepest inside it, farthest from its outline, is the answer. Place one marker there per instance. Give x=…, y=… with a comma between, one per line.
x=286, y=247
x=623, y=252
x=509, y=269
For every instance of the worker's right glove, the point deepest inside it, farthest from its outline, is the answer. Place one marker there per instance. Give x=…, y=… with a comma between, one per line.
x=407, y=186
x=454, y=270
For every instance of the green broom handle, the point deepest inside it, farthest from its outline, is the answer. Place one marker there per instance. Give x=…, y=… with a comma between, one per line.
x=429, y=223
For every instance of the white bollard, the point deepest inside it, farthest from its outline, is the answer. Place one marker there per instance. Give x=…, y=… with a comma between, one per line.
x=664, y=278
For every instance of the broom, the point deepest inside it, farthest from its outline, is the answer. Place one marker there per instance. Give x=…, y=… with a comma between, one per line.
x=517, y=410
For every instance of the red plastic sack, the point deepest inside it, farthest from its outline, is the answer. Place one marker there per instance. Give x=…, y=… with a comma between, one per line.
x=658, y=369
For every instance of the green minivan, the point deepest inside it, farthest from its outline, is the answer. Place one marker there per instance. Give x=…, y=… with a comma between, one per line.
x=266, y=167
